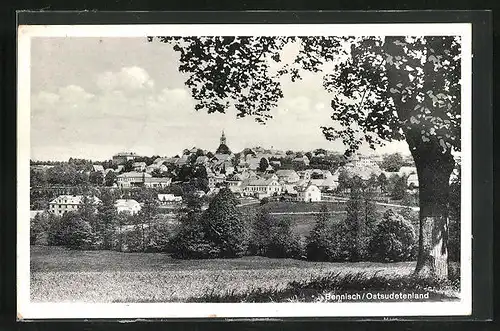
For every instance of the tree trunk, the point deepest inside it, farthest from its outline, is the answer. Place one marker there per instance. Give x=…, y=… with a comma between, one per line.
x=434, y=169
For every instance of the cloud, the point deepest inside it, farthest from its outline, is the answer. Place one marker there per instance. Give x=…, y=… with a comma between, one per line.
x=67, y=97
x=176, y=95
x=44, y=99
x=127, y=79
x=74, y=95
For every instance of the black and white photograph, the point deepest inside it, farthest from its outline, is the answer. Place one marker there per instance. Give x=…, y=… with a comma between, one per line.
x=244, y=170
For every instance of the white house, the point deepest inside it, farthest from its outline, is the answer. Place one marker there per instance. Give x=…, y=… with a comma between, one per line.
x=169, y=198
x=66, y=203
x=412, y=181
x=98, y=168
x=131, y=179
x=288, y=176
x=406, y=171
x=310, y=193
x=139, y=166
x=262, y=188
x=234, y=182
x=157, y=182
x=304, y=160
x=129, y=206
x=214, y=179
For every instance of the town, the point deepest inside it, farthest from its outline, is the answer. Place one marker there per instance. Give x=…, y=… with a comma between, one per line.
x=253, y=174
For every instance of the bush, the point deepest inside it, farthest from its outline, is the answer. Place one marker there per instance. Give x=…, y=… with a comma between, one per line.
x=284, y=244
x=190, y=241
x=159, y=236
x=39, y=227
x=224, y=226
x=393, y=240
x=260, y=235
x=57, y=232
x=79, y=234
x=331, y=245
x=132, y=240
x=320, y=242
x=220, y=231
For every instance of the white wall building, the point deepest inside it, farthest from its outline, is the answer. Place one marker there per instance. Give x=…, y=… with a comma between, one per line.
x=310, y=193
x=262, y=188
x=132, y=179
x=66, y=203
x=129, y=206
x=169, y=198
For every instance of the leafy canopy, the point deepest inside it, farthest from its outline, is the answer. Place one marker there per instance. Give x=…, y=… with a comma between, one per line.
x=382, y=88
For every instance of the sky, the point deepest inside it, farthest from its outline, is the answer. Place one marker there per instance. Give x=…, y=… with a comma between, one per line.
x=94, y=97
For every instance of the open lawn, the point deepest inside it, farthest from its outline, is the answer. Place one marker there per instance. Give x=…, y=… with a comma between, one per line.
x=62, y=275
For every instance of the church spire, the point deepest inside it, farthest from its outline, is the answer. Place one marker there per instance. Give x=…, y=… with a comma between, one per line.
x=223, y=138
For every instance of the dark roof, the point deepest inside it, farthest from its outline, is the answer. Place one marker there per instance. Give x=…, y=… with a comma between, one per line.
x=223, y=149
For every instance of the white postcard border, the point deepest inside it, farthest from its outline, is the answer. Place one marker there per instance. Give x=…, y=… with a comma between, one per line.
x=30, y=310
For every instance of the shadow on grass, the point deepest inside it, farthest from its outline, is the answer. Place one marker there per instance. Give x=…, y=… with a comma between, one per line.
x=325, y=289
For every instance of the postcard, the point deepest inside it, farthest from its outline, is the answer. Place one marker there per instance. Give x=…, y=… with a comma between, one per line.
x=244, y=170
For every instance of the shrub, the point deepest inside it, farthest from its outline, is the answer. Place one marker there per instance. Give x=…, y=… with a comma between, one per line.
x=393, y=239
x=79, y=234
x=359, y=224
x=159, y=236
x=39, y=227
x=320, y=241
x=328, y=242
x=57, y=232
x=224, y=225
x=260, y=235
x=284, y=244
x=190, y=240
x=132, y=240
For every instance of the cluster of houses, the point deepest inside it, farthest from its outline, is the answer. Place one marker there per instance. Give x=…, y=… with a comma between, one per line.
x=245, y=177
x=72, y=203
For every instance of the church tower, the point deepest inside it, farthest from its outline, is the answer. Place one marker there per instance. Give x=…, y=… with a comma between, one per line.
x=223, y=149
x=223, y=138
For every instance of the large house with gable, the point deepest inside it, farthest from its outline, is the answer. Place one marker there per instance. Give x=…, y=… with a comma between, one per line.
x=262, y=188
x=69, y=203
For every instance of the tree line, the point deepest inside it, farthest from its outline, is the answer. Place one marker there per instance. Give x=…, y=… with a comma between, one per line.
x=222, y=231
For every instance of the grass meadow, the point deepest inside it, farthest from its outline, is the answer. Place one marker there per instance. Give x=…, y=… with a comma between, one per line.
x=62, y=275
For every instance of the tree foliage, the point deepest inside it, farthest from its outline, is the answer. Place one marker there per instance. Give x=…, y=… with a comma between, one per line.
x=224, y=224
x=393, y=240
x=392, y=162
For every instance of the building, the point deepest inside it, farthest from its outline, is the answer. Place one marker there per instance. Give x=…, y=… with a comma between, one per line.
x=67, y=203
x=304, y=160
x=182, y=160
x=122, y=158
x=412, y=181
x=139, y=166
x=202, y=160
x=310, y=193
x=98, y=168
x=262, y=188
x=157, y=182
x=166, y=199
x=223, y=149
x=234, y=183
x=406, y=171
x=129, y=206
x=156, y=166
x=214, y=179
x=132, y=179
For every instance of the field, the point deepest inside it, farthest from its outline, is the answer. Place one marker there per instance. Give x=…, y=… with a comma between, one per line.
x=62, y=275
x=301, y=214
